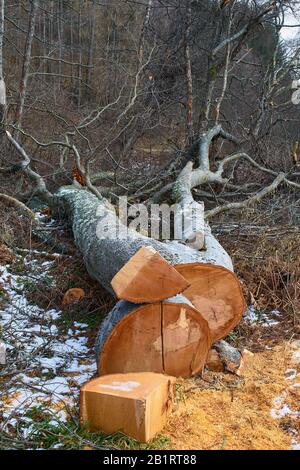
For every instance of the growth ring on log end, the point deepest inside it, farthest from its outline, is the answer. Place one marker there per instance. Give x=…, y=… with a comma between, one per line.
x=169, y=337
x=216, y=292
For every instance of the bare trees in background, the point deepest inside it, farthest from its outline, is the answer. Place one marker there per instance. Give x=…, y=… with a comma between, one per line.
x=26, y=62
x=131, y=96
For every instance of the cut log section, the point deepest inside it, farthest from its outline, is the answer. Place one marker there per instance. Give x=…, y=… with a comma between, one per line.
x=147, y=277
x=135, y=343
x=216, y=293
x=170, y=337
x=136, y=404
x=185, y=340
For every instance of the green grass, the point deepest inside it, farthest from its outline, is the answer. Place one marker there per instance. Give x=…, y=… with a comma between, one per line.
x=179, y=394
x=47, y=434
x=68, y=317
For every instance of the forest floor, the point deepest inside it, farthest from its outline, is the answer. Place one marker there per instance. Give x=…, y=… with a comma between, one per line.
x=50, y=355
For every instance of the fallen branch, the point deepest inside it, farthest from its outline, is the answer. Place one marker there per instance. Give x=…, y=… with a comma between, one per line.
x=15, y=202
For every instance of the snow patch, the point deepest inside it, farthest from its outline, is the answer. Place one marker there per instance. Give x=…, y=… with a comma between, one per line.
x=46, y=368
x=280, y=407
x=253, y=316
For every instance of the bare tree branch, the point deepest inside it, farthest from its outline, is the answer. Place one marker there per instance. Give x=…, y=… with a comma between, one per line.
x=251, y=200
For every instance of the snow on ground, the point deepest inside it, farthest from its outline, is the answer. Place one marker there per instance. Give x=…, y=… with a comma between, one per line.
x=45, y=366
x=283, y=406
x=287, y=404
x=263, y=319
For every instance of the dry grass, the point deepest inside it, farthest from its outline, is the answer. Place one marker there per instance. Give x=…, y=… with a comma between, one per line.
x=268, y=265
x=15, y=227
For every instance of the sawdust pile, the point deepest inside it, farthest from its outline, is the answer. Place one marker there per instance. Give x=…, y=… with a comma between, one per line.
x=226, y=412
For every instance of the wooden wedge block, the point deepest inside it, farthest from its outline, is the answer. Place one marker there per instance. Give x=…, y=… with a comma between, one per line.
x=136, y=404
x=148, y=277
x=246, y=362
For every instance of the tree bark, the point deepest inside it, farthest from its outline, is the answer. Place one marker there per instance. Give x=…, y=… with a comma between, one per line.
x=189, y=75
x=26, y=63
x=94, y=226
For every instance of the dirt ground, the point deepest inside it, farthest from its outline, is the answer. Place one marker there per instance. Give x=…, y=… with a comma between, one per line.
x=259, y=411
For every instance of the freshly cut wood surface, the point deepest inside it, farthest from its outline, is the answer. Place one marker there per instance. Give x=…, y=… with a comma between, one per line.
x=73, y=295
x=168, y=337
x=246, y=362
x=136, y=404
x=216, y=292
x=186, y=340
x=134, y=344
x=147, y=277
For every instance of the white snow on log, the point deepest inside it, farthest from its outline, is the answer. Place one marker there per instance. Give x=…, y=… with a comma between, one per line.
x=128, y=386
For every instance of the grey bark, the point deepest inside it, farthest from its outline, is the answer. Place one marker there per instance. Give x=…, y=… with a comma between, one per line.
x=230, y=356
x=92, y=43
x=93, y=223
x=2, y=353
x=189, y=75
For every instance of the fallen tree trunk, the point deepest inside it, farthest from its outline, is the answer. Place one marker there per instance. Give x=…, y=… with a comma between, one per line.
x=106, y=244
x=173, y=336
